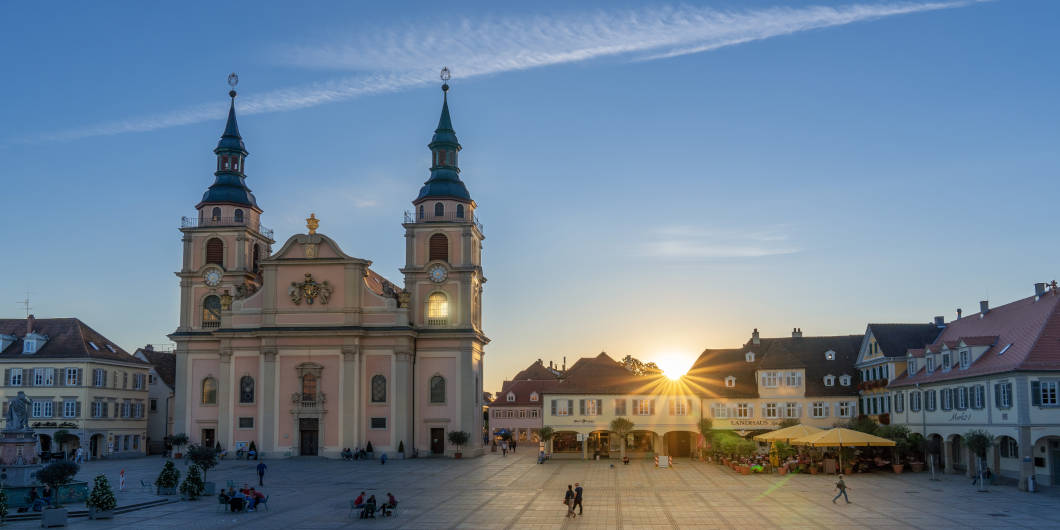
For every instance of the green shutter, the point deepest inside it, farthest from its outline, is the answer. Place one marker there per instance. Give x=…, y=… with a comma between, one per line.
x=1036, y=393
x=553, y=407
x=581, y=407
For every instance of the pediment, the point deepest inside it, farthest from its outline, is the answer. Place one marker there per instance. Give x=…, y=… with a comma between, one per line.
x=313, y=247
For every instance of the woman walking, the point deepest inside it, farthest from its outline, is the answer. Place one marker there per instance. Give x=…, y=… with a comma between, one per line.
x=568, y=500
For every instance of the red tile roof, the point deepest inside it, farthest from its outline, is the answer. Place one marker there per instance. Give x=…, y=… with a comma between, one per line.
x=522, y=391
x=68, y=338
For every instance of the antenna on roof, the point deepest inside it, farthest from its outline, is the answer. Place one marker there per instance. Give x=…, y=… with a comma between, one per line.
x=25, y=304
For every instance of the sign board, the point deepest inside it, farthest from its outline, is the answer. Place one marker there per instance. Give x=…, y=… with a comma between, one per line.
x=581, y=437
x=746, y=423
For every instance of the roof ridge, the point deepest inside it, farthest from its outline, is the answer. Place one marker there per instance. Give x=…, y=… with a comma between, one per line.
x=1041, y=331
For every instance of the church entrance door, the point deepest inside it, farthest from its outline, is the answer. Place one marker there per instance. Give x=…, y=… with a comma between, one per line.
x=208, y=438
x=309, y=436
x=437, y=441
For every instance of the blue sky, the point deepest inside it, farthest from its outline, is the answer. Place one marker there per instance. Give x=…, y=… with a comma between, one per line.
x=654, y=178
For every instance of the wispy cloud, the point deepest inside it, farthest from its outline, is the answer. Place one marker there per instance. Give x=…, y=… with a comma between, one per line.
x=685, y=242
x=400, y=58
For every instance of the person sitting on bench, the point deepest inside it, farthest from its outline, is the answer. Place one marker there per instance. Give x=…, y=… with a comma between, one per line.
x=347, y=454
x=387, y=507
x=369, y=509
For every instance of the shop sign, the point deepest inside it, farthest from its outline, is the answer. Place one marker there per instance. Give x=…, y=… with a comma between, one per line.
x=961, y=417
x=746, y=423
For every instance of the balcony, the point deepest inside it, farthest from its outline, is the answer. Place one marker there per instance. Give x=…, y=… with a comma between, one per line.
x=308, y=401
x=196, y=222
x=447, y=217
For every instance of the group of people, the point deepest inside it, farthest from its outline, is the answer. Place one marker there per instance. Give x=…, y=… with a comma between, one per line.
x=572, y=499
x=245, y=498
x=37, y=501
x=369, y=506
x=359, y=454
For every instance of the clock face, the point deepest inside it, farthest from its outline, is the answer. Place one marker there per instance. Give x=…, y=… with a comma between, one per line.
x=437, y=274
x=212, y=277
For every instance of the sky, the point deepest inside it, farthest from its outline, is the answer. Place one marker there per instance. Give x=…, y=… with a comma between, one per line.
x=654, y=178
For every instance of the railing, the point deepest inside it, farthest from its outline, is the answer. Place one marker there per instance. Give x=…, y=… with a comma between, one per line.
x=447, y=217
x=437, y=322
x=211, y=324
x=308, y=401
x=197, y=222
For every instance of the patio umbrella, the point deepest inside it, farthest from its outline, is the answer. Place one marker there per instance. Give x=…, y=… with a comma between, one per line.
x=788, y=433
x=840, y=437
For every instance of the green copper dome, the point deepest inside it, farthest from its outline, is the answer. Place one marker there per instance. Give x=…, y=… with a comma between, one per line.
x=229, y=184
x=445, y=172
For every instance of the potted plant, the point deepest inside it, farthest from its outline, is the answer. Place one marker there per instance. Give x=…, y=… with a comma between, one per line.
x=978, y=441
x=545, y=434
x=252, y=451
x=205, y=458
x=192, y=487
x=900, y=435
x=458, y=438
x=101, y=502
x=370, y=450
x=168, y=479
x=179, y=440
x=917, y=445
x=401, y=449
x=622, y=427
x=56, y=475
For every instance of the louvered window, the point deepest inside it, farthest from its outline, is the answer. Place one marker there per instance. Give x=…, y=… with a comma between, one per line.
x=215, y=252
x=439, y=247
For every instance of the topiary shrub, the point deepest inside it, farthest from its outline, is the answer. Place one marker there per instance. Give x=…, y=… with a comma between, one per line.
x=192, y=487
x=169, y=477
x=102, y=496
x=202, y=456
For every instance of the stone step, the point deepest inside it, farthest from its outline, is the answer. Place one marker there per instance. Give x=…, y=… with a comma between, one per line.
x=29, y=516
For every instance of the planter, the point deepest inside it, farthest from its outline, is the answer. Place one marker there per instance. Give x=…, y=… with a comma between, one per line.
x=783, y=470
x=813, y=469
x=745, y=470
x=897, y=468
x=166, y=491
x=93, y=513
x=178, y=456
x=50, y=517
x=917, y=466
x=208, y=488
x=458, y=455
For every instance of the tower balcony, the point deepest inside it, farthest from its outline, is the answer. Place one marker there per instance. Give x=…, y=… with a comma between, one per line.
x=197, y=222
x=447, y=217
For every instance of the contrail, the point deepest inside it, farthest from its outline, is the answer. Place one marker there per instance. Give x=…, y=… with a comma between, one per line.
x=398, y=59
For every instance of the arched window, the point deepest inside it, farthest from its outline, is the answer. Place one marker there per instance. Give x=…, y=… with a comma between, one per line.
x=309, y=385
x=437, y=309
x=730, y=381
x=437, y=389
x=460, y=211
x=255, y=257
x=246, y=389
x=378, y=389
x=211, y=311
x=439, y=209
x=749, y=356
x=439, y=248
x=215, y=252
x=209, y=391
x=421, y=211
x=533, y=396
x=239, y=215
x=510, y=397
x=216, y=214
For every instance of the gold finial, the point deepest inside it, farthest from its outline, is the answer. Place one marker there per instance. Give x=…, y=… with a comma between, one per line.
x=312, y=223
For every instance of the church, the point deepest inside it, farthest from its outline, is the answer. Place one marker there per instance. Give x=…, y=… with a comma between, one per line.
x=303, y=349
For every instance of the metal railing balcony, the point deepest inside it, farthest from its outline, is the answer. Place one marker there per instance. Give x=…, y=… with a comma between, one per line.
x=308, y=401
x=197, y=222
x=447, y=217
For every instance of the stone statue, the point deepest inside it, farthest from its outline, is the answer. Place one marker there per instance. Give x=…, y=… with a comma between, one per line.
x=18, y=413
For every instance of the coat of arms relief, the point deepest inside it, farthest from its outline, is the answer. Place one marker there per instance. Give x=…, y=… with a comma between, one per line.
x=309, y=290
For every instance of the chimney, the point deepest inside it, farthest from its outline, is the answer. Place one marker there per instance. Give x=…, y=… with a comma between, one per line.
x=940, y=321
x=959, y=313
x=1039, y=290
x=29, y=324
x=754, y=337
x=796, y=333
x=984, y=308
x=564, y=363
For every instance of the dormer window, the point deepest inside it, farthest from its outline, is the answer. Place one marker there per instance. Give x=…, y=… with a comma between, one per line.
x=511, y=396
x=749, y=357
x=93, y=344
x=965, y=359
x=829, y=355
x=730, y=381
x=931, y=365
x=829, y=380
x=947, y=362
x=533, y=396
x=29, y=346
x=844, y=380
x=33, y=342
x=912, y=366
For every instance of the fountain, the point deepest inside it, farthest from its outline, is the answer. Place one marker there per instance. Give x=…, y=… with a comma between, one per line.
x=19, y=461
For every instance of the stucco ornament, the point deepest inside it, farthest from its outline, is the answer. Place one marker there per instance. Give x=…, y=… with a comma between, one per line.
x=309, y=290
x=18, y=413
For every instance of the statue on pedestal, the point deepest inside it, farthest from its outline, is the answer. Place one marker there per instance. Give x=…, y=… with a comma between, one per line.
x=18, y=413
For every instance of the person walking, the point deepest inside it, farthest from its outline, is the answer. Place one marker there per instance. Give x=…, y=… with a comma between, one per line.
x=568, y=500
x=261, y=473
x=513, y=445
x=577, y=498
x=842, y=487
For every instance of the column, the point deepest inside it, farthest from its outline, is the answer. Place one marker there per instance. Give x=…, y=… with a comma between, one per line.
x=224, y=399
x=350, y=395
x=1026, y=447
x=402, y=410
x=947, y=456
x=267, y=444
x=585, y=446
x=181, y=414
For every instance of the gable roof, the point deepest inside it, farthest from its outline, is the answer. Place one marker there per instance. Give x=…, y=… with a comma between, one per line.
x=896, y=339
x=164, y=363
x=603, y=375
x=1029, y=328
x=522, y=391
x=68, y=338
x=536, y=370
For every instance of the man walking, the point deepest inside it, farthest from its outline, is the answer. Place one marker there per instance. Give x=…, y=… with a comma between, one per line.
x=568, y=500
x=261, y=473
x=577, y=498
x=842, y=487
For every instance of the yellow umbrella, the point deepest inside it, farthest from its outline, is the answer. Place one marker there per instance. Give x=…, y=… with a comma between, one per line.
x=840, y=437
x=788, y=433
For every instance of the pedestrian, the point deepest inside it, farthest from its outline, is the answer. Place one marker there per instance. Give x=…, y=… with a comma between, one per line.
x=261, y=473
x=513, y=445
x=568, y=500
x=842, y=487
x=504, y=448
x=577, y=498
x=382, y=459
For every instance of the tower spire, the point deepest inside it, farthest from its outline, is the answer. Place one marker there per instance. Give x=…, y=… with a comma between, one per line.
x=229, y=185
x=444, y=146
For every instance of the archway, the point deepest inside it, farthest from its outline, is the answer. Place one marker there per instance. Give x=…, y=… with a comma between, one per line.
x=45, y=443
x=640, y=442
x=1046, y=456
x=679, y=443
x=599, y=444
x=958, y=454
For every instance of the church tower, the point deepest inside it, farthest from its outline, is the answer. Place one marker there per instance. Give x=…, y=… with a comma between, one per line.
x=443, y=279
x=225, y=242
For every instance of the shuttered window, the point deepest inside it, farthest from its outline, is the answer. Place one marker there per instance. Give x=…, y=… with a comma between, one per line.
x=439, y=248
x=215, y=252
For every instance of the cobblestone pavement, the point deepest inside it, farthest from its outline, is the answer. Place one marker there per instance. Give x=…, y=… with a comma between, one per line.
x=516, y=492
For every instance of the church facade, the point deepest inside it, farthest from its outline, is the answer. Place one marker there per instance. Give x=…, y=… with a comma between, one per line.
x=305, y=350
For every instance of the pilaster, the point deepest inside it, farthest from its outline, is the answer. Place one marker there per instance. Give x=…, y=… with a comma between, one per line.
x=350, y=396
x=224, y=399
x=269, y=419
x=181, y=414
x=403, y=383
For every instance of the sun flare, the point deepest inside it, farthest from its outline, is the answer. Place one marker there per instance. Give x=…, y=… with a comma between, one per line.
x=674, y=365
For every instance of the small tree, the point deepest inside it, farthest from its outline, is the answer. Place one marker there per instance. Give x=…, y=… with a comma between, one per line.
x=784, y=451
x=401, y=447
x=622, y=427
x=204, y=457
x=706, y=428
x=57, y=474
x=899, y=434
x=179, y=441
x=545, y=434
x=978, y=441
x=169, y=477
x=192, y=486
x=3, y=505
x=368, y=448
x=458, y=438
x=102, y=496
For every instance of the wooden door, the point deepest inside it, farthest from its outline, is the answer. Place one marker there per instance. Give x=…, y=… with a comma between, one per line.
x=208, y=438
x=308, y=444
x=437, y=441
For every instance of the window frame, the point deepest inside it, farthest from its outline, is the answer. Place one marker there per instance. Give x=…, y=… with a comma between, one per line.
x=374, y=388
x=16, y=373
x=204, y=393
x=431, y=390
x=69, y=408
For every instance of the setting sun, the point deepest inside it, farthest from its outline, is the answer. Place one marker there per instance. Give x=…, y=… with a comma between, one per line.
x=674, y=365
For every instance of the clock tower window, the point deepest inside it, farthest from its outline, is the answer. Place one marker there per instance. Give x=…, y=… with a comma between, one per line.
x=439, y=209
x=238, y=216
x=439, y=248
x=211, y=312
x=215, y=252
x=215, y=215
x=437, y=309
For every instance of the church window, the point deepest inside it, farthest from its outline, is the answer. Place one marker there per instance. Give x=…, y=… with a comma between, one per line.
x=216, y=214
x=460, y=211
x=215, y=252
x=239, y=216
x=439, y=248
x=211, y=312
x=437, y=309
x=439, y=209
x=209, y=391
x=437, y=389
x=421, y=211
x=378, y=389
x=246, y=389
x=309, y=385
